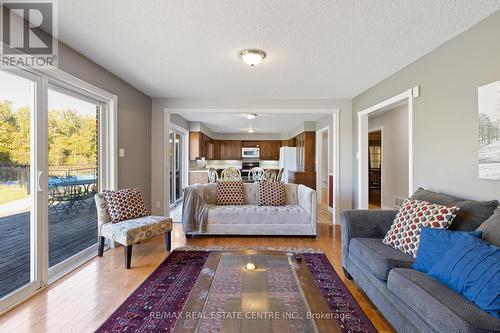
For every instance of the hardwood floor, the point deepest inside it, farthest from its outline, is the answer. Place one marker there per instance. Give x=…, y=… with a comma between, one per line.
x=82, y=300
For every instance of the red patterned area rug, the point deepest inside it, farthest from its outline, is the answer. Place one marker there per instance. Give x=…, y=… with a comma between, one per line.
x=166, y=290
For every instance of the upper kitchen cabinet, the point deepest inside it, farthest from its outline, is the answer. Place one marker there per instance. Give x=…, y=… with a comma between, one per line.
x=250, y=144
x=201, y=145
x=230, y=150
x=208, y=147
x=195, y=145
x=269, y=150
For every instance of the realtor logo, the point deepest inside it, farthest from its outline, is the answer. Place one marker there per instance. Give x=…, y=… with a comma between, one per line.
x=28, y=33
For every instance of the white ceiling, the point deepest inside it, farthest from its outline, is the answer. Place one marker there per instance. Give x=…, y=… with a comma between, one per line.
x=264, y=123
x=316, y=49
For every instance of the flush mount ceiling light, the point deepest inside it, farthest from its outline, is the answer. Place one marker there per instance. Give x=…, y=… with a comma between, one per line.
x=251, y=115
x=252, y=57
x=251, y=130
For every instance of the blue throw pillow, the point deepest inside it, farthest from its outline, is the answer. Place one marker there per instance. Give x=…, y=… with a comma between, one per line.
x=472, y=268
x=434, y=243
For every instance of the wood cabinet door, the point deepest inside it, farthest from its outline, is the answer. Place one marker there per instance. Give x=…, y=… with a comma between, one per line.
x=208, y=147
x=235, y=150
x=230, y=150
x=264, y=150
x=275, y=150
x=270, y=150
x=195, y=145
x=216, y=150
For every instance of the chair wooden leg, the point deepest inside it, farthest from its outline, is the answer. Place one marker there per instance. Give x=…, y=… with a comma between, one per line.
x=168, y=240
x=128, y=256
x=100, y=249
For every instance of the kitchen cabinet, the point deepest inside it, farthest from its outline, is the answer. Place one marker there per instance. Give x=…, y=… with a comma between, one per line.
x=195, y=145
x=216, y=150
x=288, y=143
x=208, y=147
x=305, y=178
x=270, y=150
x=306, y=154
x=250, y=144
x=201, y=145
x=230, y=150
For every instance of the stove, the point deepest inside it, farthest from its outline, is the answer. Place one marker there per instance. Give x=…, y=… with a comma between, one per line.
x=246, y=166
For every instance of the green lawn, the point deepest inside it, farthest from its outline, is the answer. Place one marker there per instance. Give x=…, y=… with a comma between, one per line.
x=11, y=193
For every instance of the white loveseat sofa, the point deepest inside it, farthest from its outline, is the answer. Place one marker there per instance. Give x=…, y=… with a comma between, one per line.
x=296, y=218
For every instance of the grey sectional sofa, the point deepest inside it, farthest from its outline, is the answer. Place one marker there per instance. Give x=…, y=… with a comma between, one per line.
x=410, y=300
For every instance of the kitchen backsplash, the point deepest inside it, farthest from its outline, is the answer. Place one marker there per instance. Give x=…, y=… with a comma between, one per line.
x=222, y=164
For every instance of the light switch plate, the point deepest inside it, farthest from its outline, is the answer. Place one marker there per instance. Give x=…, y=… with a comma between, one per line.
x=121, y=152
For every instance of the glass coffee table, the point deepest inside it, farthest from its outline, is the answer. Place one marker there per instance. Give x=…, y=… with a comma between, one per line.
x=255, y=291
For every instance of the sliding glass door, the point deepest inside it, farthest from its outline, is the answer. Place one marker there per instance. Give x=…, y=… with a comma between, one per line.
x=57, y=149
x=19, y=214
x=72, y=178
x=176, y=157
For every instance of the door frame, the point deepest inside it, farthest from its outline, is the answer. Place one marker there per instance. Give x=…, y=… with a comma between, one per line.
x=108, y=171
x=371, y=130
x=185, y=156
x=319, y=164
x=335, y=150
x=405, y=98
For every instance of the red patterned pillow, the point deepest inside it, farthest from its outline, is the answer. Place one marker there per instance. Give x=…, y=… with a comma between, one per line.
x=230, y=193
x=404, y=233
x=271, y=193
x=125, y=204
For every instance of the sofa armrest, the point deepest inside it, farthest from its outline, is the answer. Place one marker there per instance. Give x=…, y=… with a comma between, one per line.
x=306, y=198
x=364, y=224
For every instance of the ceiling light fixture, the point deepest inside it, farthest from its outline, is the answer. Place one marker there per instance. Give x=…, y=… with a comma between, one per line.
x=252, y=57
x=251, y=130
x=251, y=116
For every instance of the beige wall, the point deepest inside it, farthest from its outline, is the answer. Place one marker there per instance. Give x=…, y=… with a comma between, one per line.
x=446, y=118
x=134, y=119
x=394, y=126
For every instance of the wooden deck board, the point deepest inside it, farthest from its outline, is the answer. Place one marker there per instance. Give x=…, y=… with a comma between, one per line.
x=67, y=237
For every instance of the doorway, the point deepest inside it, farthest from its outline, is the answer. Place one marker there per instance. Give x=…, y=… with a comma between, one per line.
x=322, y=166
x=177, y=151
x=375, y=169
x=385, y=169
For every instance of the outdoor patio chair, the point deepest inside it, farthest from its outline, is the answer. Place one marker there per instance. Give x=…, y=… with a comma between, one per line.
x=129, y=232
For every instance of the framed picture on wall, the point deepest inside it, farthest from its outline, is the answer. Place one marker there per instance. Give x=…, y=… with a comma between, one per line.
x=489, y=131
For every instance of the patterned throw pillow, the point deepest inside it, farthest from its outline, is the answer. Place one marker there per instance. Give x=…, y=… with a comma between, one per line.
x=404, y=233
x=271, y=193
x=229, y=193
x=125, y=204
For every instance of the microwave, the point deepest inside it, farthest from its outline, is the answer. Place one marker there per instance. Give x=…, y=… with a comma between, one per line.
x=250, y=152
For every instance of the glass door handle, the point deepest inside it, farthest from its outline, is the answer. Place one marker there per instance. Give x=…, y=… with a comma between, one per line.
x=39, y=184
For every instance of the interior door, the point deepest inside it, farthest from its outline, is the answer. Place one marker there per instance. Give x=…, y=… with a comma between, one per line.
x=21, y=167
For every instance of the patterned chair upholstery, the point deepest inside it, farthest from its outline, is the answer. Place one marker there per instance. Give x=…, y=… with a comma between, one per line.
x=231, y=174
x=270, y=175
x=131, y=231
x=255, y=174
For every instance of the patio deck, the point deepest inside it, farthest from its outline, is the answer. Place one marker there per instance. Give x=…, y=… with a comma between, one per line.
x=67, y=236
